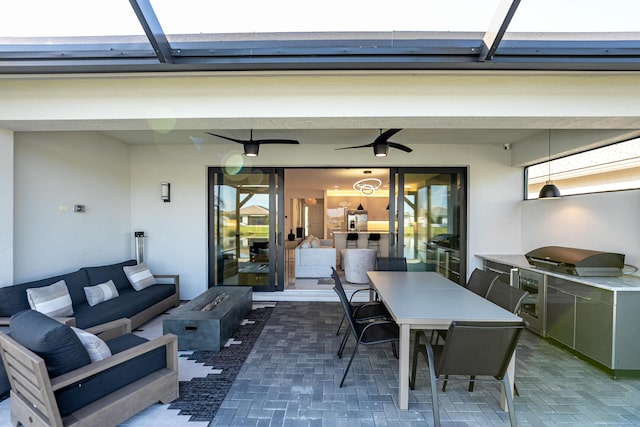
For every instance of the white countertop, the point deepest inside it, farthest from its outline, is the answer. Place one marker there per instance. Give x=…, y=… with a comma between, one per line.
x=626, y=282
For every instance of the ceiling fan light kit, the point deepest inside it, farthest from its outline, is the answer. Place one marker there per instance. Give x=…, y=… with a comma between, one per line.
x=381, y=144
x=252, y=146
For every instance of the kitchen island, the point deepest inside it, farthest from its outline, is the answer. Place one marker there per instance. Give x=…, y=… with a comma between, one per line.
x=340, y=240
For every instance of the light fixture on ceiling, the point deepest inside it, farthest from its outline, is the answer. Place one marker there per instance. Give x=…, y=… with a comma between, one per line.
x=252, y=146
x=367, y=186
x=251, y=149
x=165, y=191
x=549, y=191
x=381, y=150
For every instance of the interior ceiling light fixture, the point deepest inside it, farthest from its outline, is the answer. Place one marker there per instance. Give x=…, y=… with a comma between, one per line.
x=367, y=186
x=549, y=191
x=251, y=147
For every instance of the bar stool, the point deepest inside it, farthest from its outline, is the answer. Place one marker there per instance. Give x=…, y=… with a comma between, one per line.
x=352, y=240
x=374, y=242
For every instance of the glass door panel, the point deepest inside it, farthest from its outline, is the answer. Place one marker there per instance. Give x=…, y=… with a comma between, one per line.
x=432, y=220
x=242, y=223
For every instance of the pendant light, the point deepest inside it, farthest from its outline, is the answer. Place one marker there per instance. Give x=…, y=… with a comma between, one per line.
x=549, y=191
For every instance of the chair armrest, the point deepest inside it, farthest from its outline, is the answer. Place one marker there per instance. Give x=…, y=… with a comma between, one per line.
x=363, y=290
x=112, y=329
x=169, y=341
x=174, y=277
x=4, y=321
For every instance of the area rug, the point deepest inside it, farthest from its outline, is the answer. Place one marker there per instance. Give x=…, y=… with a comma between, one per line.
x=201, y=397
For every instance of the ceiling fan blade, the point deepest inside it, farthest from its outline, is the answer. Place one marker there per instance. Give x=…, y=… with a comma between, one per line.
x=384, y=136
x=239, y=141
x=276, y=141
x=400, y=147
x=356, y=146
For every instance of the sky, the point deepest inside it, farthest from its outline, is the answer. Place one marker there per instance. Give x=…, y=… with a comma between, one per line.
x=41, y=18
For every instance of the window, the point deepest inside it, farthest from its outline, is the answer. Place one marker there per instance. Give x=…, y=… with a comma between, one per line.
x=611, y=168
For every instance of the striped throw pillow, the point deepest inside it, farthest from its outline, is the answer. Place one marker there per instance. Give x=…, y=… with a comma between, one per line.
x=139, y=276
x=53, y=300
x=101, y=293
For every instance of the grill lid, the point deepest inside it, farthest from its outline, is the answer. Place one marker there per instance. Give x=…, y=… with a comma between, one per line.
x=578, y=262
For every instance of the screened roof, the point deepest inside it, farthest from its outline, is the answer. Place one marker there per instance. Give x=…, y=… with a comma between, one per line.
x=166, y=35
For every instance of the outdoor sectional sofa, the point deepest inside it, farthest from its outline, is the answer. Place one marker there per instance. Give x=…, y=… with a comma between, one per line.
x=138, y=306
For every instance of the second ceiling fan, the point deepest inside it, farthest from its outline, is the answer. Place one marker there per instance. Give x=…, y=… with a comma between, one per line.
x=381, y=144
x=252, y=146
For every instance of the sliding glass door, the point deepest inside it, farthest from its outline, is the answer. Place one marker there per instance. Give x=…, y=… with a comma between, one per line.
x=245, y=230
x=431, y=218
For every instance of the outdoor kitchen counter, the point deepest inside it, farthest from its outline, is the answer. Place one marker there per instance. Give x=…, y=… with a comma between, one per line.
x=626, y=282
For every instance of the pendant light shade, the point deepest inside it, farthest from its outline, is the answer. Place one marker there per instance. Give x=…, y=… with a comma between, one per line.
x=549, y=191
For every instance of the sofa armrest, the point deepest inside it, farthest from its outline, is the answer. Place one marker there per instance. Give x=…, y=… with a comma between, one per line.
x=169, y=341
x=174, y=277
x=109, y=330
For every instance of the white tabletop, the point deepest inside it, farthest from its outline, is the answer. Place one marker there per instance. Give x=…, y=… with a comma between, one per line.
x=427, y=300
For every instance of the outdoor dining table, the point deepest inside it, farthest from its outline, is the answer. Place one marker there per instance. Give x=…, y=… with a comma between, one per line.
x=427, y=300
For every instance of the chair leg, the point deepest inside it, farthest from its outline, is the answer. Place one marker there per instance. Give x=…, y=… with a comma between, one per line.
x=340, y=325
x=343, y=343
x=394, y=348
x=444, y=384
x=471, y=382
x=510, y=408
x=355, y=350
x=414, y=361
x=434, y=387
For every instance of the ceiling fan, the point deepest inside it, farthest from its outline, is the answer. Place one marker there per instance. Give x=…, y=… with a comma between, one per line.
x=252, y=146
x=381, y=144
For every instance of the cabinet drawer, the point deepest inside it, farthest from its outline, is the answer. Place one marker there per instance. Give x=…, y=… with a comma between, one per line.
x=586, y=292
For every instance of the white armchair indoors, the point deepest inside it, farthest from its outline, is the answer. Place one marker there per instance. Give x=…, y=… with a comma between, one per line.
x=356, y=264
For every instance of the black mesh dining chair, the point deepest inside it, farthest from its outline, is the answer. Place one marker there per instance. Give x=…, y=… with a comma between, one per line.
x=391, y=264
x=480, y=281
x=506, y=296
x=480, y=349
x=366, y=333
x=364, y=311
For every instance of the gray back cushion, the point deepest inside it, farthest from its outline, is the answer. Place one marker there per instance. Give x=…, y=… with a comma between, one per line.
x=56, y=343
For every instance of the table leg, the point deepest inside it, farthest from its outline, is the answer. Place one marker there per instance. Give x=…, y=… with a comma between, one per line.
x=511, y=371
x=403, y=386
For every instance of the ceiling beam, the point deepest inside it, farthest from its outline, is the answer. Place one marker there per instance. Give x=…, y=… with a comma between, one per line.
x=152, y=28
x=498, y=26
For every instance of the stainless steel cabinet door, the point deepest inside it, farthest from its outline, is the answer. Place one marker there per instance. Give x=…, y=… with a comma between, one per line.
x=561, y=316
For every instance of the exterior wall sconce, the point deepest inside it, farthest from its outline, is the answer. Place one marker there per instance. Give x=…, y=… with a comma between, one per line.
x=165, y=191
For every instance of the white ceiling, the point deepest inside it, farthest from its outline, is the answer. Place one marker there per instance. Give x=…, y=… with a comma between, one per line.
x=348, y=137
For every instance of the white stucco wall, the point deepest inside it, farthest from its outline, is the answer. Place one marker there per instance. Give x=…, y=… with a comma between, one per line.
x=54, y=169
x=6, y=207
x=604, y=222
x=177, y=231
